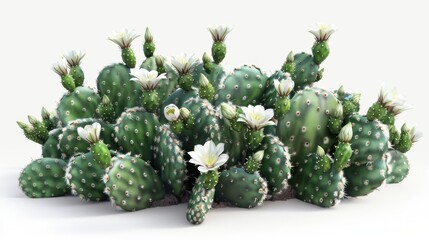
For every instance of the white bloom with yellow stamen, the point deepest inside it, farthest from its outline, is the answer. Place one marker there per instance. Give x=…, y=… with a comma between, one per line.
x=322, y=32
x=256, y=117
x=123, y=38
x=219, y=32
x=148, y=80
x=284, y=87
x=415, y=134
x=171, y=112
x=60, y=68
x=90, y=133
x=73, y=57
x=208, y=157
x=184, y=64
x=392, y=100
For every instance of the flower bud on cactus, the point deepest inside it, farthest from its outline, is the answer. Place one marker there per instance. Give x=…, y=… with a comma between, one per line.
x=228, y=111
x=336, y=120
x=208, y=63
x=254, y=162
x=343, y=150
x=160, y=64
x=149, y=45
x=106, y=110
x=289, y=65
x=206, y=89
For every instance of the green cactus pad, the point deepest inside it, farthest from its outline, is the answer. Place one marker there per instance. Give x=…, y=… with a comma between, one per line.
x=135, y=132
x=362, y=179
x=50, y=148
x=242, y=87
x=132, y=183
x=315, y=185
x=200, y=202
x=397, y=166
x=114, y=82
x=269, y=96
x=276, y=166
x=71, y=143
x=44, y=178
x=370, y=139
x=169, y=160
x=241, y=189
x=306, y=71
x=304, y=126
x=81, y=103
x=84, y=177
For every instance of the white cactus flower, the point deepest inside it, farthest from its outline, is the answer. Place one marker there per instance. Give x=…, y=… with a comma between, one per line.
x=284, y=87
x=60, y=68
x=208, y=157
x=73, y=57
x=415, y=134
x=392, y=100
x=219, y=32
x=322, y=32
x=91, y=133
x=171, y=112
x=148, y=80
x=346, y=133
x=184, y=64
x=256, y=117
x=123, y=38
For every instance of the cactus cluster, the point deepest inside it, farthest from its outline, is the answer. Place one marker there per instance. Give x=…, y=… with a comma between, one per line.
x=184, y=130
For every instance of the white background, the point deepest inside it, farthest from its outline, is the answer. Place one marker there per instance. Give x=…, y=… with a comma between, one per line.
x=377, y=41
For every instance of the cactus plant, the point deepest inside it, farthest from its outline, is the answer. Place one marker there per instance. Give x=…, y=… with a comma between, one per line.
x=181, y=130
